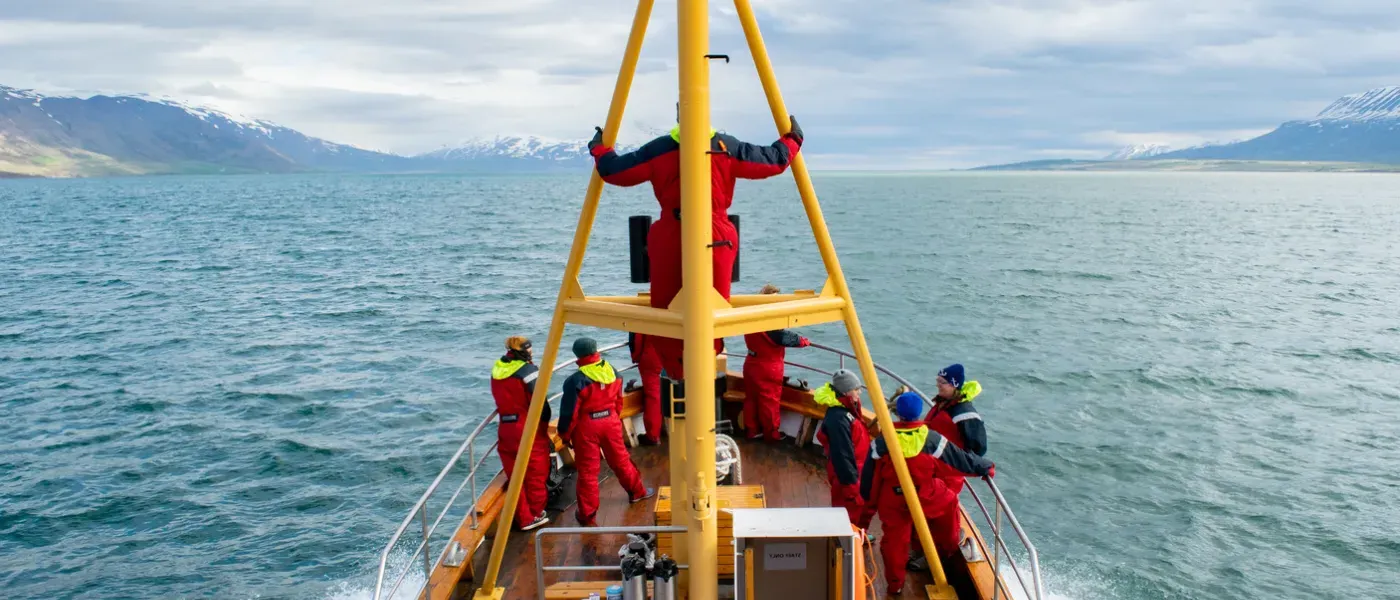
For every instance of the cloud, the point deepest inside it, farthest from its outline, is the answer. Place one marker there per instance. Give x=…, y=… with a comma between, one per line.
x=879, y=83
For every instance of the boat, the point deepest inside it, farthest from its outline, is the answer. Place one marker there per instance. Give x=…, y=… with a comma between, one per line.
x=720, y=500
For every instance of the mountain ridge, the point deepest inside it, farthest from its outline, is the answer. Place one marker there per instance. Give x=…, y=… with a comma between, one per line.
x=1357, y=128
x=98, y=135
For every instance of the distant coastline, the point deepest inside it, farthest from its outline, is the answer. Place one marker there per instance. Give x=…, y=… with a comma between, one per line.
x=1183, y=165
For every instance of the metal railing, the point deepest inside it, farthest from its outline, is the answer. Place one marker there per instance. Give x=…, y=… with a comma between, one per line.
x=469, y=483
x=420, y=511
x=1036, y=590
x=541, y=568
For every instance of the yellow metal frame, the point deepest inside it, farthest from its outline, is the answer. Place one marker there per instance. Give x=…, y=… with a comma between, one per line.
x=699, y=314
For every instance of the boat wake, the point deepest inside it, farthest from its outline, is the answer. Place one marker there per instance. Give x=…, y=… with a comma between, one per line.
x=361, y=587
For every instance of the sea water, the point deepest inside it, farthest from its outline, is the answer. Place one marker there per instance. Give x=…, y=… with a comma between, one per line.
x=236, y=387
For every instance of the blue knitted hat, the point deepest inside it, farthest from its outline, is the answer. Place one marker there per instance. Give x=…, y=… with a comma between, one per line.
x=953, y=374
x=908, y=406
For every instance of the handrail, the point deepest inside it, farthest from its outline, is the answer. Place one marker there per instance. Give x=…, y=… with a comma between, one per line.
x=1001, y=503
x=419, y=510
x=540, y=567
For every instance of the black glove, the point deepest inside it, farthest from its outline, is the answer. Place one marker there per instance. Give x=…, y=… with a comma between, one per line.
x=796, y=132
x=597, y=139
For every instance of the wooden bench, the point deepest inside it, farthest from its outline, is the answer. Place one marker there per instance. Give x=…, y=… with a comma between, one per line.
x=726, y=497
x=579, y=590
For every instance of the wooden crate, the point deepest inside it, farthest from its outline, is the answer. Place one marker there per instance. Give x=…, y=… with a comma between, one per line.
x=726, y=497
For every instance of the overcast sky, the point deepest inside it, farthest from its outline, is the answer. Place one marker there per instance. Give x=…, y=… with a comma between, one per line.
x=876, y=83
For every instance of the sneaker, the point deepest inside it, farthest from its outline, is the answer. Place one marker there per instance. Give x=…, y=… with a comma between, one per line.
x=917, y=564
x=539, y=522
x=649, y=493
x=586, y=521
x=894, y=591
x=648, y=441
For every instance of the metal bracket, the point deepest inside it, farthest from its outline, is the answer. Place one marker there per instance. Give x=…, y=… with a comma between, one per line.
x=717, y=56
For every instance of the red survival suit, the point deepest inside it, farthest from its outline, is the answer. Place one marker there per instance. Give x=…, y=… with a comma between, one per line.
x=962, y=425
x=763, y=380
x=846, y=440
x=659, y=161
x=512, y=385
x=649, y=365
x=924, y=452
x=590, y=416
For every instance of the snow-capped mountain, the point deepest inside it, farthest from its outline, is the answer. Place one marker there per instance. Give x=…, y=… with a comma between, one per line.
x=1362, y=127
x=1375, y=105
x=1138, y=151
x=512, y=154
x=526, y=147
x=101, y=135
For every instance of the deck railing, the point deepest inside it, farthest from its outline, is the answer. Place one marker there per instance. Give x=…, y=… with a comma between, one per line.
x=419, y=512
x=541, y=568
x=1035, y=591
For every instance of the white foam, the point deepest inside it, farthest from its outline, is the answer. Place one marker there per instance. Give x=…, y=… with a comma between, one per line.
x=361, y=587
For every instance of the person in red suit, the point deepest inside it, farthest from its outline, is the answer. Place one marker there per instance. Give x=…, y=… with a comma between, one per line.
x=512, y=384
x=590, y=418
x=763, y=378
x=954, y=417
x=649, y=366
x=844, y=436
x=659, y=162
x=923, y=451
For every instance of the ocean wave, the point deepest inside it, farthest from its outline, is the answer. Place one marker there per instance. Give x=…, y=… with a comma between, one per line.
x=1373, y=355
x=1062, y=274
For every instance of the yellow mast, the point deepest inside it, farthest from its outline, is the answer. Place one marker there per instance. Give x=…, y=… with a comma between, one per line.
x=568, y=290
x=699, y=314
x=836, y=283
x=699, y=299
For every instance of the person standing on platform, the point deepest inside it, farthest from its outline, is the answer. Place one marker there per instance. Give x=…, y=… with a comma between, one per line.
x=923, y=451
x=591, y=420
x=649, y=366
x=659, y=162
x=763, y=378
x=512, y=386
x=845, y=438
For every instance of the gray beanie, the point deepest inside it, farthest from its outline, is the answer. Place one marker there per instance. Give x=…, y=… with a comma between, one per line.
x=585, y=347
x=844, y=382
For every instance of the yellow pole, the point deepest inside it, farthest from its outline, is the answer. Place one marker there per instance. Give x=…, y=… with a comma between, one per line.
x=693, y=22
x=838, y=280
x=582, y=232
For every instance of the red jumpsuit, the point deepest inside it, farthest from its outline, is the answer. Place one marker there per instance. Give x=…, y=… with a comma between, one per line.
x=659, y=162
x=924, y=451
x=512, y=385
x=846, y=440
x=763, y=381
x=590, y=416
x=960, y=423
x=649, y=366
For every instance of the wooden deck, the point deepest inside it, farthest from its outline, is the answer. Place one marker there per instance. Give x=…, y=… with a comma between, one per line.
x=791, y=477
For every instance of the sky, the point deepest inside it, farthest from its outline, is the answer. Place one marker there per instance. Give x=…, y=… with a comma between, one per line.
x=893, y=84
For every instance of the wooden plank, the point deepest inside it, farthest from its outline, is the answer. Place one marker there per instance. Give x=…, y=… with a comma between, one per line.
x=444, y=579
x=983, y=578
x=579, y=590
